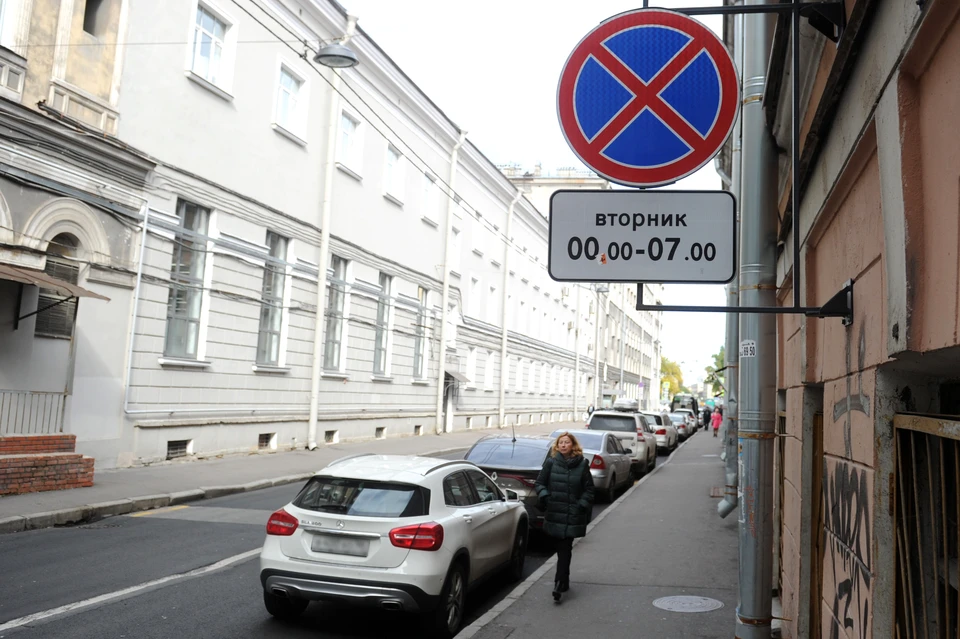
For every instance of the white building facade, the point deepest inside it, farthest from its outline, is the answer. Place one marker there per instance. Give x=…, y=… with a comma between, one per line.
x=219, y=337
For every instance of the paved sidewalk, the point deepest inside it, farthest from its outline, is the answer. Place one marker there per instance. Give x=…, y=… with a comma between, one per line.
x=121, y=491
x=662, y=538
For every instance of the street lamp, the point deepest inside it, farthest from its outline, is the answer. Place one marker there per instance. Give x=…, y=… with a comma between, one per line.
x=335, y=55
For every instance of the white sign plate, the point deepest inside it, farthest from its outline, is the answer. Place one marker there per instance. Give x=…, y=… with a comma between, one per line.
x=748, y=348
x=643, y=236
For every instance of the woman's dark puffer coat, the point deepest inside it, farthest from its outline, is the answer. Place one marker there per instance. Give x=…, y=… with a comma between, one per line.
x=566, y=486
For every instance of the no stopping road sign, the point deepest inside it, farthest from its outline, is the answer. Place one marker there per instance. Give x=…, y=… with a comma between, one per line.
x=643, y=236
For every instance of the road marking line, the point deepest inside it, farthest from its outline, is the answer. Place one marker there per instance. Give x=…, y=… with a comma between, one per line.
x=111, y=596
x=168, y=509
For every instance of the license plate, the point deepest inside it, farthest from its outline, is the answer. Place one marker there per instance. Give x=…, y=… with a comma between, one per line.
x=336, y=545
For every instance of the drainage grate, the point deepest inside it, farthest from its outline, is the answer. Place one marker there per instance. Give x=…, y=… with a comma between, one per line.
x=684, y=603
x=177, y=448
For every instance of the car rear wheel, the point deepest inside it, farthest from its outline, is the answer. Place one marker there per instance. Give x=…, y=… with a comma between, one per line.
x=519, y=554
x=284, y=607
x=611, y=489
x=446, y=619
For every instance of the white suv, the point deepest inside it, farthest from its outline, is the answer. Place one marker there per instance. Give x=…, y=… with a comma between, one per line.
x=395, y=532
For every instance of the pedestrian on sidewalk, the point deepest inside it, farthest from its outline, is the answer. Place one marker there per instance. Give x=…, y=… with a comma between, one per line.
x=716, y=420
x=565, y=490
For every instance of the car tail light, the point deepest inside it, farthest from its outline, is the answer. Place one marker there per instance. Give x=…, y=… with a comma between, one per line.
x=661, y=431
x=598, y=463
x=282, y=523
x=418, y=537
x=640, y=437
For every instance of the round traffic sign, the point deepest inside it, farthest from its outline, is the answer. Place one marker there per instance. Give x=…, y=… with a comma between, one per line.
x=648, y=97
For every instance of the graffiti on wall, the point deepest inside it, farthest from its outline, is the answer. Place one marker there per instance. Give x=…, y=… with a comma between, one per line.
x=853, y=401
x=846, y=543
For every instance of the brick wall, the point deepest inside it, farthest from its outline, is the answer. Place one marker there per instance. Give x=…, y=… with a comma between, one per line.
x=35, y=473
x=26, y=444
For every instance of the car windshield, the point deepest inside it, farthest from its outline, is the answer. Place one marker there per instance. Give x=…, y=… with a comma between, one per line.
x=624, y=424
x=505, y=453
x=363, y=498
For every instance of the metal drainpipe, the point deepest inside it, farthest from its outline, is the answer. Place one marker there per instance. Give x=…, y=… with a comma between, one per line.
x=597, y=387
x=325, y=212
x=757, y=407
x=504, y=369
x=576, y=366
x=623, y=328
x=732, y=343
x=145, y=216
x=445, y=296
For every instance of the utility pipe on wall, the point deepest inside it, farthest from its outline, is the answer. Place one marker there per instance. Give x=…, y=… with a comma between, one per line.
x=325, y=211
x=445, y=296
x=576, y=366
x=504, y=369
x=732, y=342
x=757, y=405
x=597, y=386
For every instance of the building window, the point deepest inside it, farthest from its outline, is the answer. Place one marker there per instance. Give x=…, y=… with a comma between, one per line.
x=95, y=16
x=382, y=330
x=271, y=306
x=420, y=335
x=209, y=46
x=493, y=306
x=471, y=372
x=56, y=314
x=334, y=328
x=349, y=151
x=476, y=298
x=456, y=244
x=289, y=110
x=488, y=370
x=478, y=236
x=186, y=281
x=430, y=201
x=393, y=178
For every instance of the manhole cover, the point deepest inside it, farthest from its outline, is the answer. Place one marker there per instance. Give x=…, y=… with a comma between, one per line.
x=682, y=603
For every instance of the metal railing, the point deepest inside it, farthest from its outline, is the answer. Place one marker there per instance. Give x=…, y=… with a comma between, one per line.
x=928, y=511
x=31, y=412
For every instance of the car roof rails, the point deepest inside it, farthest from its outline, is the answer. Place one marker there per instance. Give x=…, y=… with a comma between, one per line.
x=452, y=462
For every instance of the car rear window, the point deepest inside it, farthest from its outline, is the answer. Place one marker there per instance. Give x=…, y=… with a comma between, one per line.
x=509, y=454
x=362, y=498
x=656, y=419
x=590, y=441
x=677, y=418
x=625, y=424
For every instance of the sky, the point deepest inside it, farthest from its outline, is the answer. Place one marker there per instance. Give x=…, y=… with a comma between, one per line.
x=493, y=68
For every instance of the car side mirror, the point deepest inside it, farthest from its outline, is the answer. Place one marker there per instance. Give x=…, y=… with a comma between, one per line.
x=512, y=495
x=628, y=451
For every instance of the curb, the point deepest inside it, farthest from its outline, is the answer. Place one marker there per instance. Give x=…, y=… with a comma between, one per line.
x=523, y=587
x=94, y=512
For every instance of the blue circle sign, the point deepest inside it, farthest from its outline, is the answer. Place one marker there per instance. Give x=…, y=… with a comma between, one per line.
x=648, y=97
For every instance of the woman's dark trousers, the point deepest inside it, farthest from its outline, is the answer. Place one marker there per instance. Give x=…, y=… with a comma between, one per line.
x=564, y=554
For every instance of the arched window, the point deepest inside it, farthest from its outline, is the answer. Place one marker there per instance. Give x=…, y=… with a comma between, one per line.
x=56, y=313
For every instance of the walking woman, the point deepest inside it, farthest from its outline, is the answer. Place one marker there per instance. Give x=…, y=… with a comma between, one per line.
x=565, y=489
x=716, y=420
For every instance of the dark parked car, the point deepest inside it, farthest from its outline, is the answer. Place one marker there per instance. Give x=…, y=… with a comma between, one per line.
x=514, y=465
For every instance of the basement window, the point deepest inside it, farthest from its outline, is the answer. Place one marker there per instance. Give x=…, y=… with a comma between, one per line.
x=331, y=436
x=179, y=448
x=418, y=430
x=381, y=432
x=267, y=441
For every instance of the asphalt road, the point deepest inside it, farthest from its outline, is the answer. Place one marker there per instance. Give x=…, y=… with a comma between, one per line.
x=156, y=574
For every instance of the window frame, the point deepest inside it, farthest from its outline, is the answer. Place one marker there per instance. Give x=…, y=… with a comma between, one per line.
x=340, y=318
x=420, y=336
x=394, y=176
x=383, y=325
x=223, y=83
x=202, y=245
x=488, y=368
x=296, y=129
x=277, y=267
x=430, y=205
x=470, y=369
x=350, y=155
x=48, y=300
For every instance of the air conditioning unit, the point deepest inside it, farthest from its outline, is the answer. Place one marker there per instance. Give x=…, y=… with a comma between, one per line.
x=570, y=326
x=565, y=291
